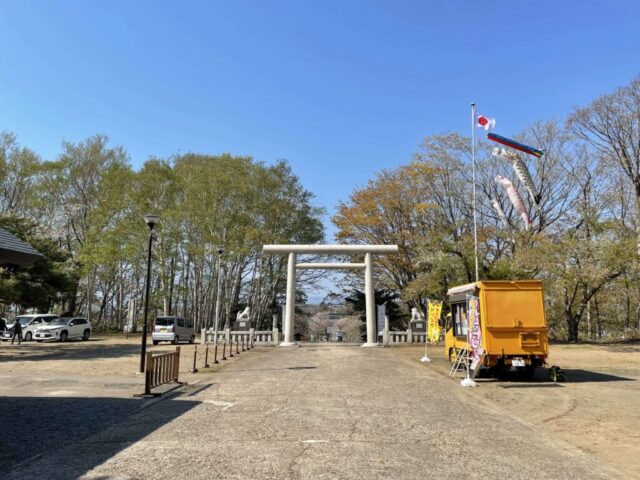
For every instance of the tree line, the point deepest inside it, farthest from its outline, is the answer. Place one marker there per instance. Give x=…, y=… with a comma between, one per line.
x=584, y=239
x=84, y=211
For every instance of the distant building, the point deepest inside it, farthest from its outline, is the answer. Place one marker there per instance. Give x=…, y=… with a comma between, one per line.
x=333, y=333
x=324, y=323
x=15, y=252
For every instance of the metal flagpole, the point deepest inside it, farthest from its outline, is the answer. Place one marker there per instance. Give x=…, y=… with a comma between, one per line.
x=426, y=358
x=473, y=169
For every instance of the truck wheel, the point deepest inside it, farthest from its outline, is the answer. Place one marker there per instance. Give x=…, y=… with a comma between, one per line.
x=27, y=337
x=176, y=339
x=86, y=335
x=155, y=342
x=64, y=336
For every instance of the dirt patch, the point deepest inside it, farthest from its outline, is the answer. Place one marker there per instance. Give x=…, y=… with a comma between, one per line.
x=104, y=356
x=102, y=366
x=596, y=409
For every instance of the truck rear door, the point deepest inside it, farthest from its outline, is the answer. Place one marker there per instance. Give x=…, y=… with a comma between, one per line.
x=515, y=320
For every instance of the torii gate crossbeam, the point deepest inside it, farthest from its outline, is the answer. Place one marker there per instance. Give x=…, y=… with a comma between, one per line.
x=293, y=250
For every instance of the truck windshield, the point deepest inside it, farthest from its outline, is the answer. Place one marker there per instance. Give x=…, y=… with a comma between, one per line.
x=460, y=322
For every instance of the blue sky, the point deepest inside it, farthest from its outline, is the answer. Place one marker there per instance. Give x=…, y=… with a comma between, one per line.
x=341, y=89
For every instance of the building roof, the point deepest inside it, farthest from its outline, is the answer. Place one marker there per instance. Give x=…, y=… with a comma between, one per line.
x=462, y=288
x=14, y=251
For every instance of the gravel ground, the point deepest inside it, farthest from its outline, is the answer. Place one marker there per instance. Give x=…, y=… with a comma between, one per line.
x=321, y=411
x=596, y=409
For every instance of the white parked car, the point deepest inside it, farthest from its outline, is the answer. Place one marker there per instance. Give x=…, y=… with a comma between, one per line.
x=173, y=329
x=30, y=323
x=63, y=329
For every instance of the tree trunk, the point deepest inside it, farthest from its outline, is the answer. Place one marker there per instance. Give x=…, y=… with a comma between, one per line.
x=637, y=199
x=69, y=304
x=120, y=305
x=185, y=287
x=103, y=304
x=172, y=282
x=589, y=334
x=91, y=280
x=598, y=324
x=162, y=275
x=572, y=327
x=627, y=323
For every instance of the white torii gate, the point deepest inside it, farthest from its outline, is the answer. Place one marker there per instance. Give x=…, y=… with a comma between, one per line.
x=367, y=266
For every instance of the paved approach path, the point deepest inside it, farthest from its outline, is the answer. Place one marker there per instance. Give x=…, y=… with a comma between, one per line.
x=318, y=412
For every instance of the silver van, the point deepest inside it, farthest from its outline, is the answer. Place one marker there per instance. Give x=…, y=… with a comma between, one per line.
x=173, y=329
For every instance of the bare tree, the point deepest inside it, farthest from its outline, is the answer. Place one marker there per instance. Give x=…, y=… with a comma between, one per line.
x=612, y=125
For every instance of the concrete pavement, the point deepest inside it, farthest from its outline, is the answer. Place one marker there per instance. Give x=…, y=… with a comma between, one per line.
x=317, y=412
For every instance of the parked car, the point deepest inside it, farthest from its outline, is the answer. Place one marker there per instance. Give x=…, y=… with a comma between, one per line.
x=63, y=329
x=172, y=329
x=30, y=323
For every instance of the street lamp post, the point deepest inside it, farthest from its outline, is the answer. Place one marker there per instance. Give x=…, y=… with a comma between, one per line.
x=151, y=221
x=217, y=314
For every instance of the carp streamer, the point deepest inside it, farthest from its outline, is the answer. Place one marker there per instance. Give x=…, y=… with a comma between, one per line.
x=521, y=171
x=494, y=137
x=516, y=200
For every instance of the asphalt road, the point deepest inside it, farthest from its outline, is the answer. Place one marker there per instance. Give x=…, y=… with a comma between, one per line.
x=317, y=412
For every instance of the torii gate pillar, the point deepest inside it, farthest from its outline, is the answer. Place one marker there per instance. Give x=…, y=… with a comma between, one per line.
x=370, y=302
x=290, y=307
x=367, y=266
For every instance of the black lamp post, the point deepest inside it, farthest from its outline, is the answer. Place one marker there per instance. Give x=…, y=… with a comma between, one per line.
x=217, y=312
x=151, y=221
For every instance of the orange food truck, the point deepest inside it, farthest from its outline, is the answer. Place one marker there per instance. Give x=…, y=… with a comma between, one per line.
x=512, y=330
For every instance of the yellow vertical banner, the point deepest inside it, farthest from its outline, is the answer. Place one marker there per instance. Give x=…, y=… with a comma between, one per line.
x=433, y=331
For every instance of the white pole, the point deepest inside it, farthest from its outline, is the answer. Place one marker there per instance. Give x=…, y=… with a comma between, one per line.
x=473, y=169
x=426, y=358
x=468, y=382
x=290, y=307
x=370, y=305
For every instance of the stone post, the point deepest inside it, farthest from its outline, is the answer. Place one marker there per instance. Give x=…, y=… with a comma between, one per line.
x=409, y=335
x=385, y=331
x=203, y=336
x=131, y=316
x=290, y=307
x=370, y=304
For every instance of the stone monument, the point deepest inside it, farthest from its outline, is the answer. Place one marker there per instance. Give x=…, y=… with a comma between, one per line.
x=418, y=323
x=243, y=321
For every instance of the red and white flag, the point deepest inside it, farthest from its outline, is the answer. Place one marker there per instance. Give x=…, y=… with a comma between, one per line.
x=487, y=123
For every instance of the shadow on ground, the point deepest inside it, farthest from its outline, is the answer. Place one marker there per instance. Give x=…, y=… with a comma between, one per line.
x=532, y=385
x=584, y=376
x=34, y=426
x=541, y=378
